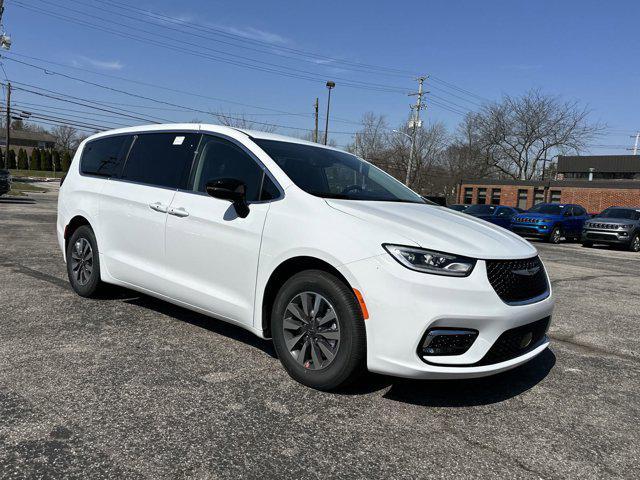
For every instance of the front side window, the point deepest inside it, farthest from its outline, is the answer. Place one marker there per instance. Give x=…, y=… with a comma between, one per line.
x=161, y=159
x=505, y=212
x=220, y=158
x=334, y=174
x=104, y=156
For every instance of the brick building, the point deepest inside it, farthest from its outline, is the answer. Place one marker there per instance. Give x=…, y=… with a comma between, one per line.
x=595, y=196
x=593, y=181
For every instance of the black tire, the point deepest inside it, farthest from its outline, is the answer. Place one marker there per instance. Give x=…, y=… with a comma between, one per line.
x=555, y=236
x=89, y=285
x=350, y=358
x=587, y=244
x=634, y=244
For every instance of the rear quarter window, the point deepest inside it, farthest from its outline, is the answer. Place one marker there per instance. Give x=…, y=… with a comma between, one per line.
x=104, y=156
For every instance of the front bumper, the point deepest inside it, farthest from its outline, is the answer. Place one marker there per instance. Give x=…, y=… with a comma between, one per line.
x=617, y=237
x=531, y=230
x=404, y=304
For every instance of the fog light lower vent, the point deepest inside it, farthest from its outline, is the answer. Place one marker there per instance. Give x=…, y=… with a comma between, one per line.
x=447, y=341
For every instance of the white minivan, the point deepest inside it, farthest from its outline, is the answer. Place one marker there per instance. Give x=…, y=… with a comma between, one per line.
x=340, y=264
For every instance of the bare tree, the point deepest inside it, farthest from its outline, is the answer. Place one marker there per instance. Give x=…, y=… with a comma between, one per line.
x=516, y=134
x=67, y=138
x=241, y=121
x=371, y=141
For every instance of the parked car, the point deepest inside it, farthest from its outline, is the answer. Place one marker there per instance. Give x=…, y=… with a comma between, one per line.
x=458, y=207
x=339, y=263
x=614, y=226
x=551, y=222
x=497, y=214
x=5, y=181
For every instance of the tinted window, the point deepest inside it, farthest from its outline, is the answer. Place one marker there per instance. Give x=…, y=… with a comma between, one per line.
x=480, y=209
x=626, y=213
x=221, y=158
x=505, y=212
x=578, y=211
x=269, y=189
x=161, y=159
x=104, y=156
x=331, y=173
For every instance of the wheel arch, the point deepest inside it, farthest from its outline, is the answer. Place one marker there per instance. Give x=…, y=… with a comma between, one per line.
x=75, y=223
x=282, y=273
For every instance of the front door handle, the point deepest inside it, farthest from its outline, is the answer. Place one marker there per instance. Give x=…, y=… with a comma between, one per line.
x=178, y=212
x=158, y=207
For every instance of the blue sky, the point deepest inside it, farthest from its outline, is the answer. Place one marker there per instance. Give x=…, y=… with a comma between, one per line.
x=582, y=50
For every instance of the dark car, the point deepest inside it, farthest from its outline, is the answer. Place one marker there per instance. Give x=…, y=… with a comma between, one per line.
x=551, y=222
x=496, y=214
x=458, y=207
x=614, y=226
x=5, y=181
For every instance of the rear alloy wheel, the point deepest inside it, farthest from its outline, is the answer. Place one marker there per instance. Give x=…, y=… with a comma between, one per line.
x=318, y=330
x=83, y=262
x=555, y=236
x=634, y=246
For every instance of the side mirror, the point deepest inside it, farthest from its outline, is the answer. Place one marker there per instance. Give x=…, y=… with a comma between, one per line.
x=230, y=189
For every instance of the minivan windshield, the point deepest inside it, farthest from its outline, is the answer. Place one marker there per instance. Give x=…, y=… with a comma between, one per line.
x=334, y=174
x=481, y=210
x=546, y=209
x=626, y=213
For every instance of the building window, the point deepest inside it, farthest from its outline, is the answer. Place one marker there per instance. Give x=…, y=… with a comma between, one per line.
x=468, y=196
x=495, y=196
x=538, y=196
x=555, y=196
x=522, y=199
x=482, y=196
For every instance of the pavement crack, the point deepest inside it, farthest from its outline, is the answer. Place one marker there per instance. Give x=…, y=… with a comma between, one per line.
x=585, y=278
x=570, y=340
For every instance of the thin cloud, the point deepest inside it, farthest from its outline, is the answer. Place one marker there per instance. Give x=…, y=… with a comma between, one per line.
x=252, y=33
x=82, y=61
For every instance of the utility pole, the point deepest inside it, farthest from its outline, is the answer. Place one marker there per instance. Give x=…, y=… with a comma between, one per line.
x=415, y=124
x=315, y=109
x=637, y=144
x=8, y=126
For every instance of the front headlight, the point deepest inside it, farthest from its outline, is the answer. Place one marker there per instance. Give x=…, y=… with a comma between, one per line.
x=428, y=261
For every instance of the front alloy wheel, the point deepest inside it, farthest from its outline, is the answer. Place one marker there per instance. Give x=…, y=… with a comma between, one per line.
x=634, y=246
x=556, y=235
x=318, y=330
x=311, y=330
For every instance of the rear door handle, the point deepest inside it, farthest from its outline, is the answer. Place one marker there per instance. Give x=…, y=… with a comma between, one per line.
x=158, y=207
x=178, y=212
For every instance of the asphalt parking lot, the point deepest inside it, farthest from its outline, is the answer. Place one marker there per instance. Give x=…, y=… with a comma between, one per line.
x=130, y=387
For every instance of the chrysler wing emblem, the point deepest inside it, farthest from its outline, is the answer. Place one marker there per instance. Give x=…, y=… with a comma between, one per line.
x=527, y=272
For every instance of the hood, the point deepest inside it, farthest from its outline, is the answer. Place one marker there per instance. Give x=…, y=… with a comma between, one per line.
x=439, y=228
x=612, y=221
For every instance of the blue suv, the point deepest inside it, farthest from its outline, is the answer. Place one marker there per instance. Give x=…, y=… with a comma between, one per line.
x=551, y=222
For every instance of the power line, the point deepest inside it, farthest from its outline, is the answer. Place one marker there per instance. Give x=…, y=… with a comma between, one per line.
x=269, y=67
x=239, y=38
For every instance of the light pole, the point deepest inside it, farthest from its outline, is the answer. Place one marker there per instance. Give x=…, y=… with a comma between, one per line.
x=330, y=85
x=406, y=182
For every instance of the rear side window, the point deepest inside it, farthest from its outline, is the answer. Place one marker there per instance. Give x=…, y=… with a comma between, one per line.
x=161, y=159
x=221, y=158
x=104, y=156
